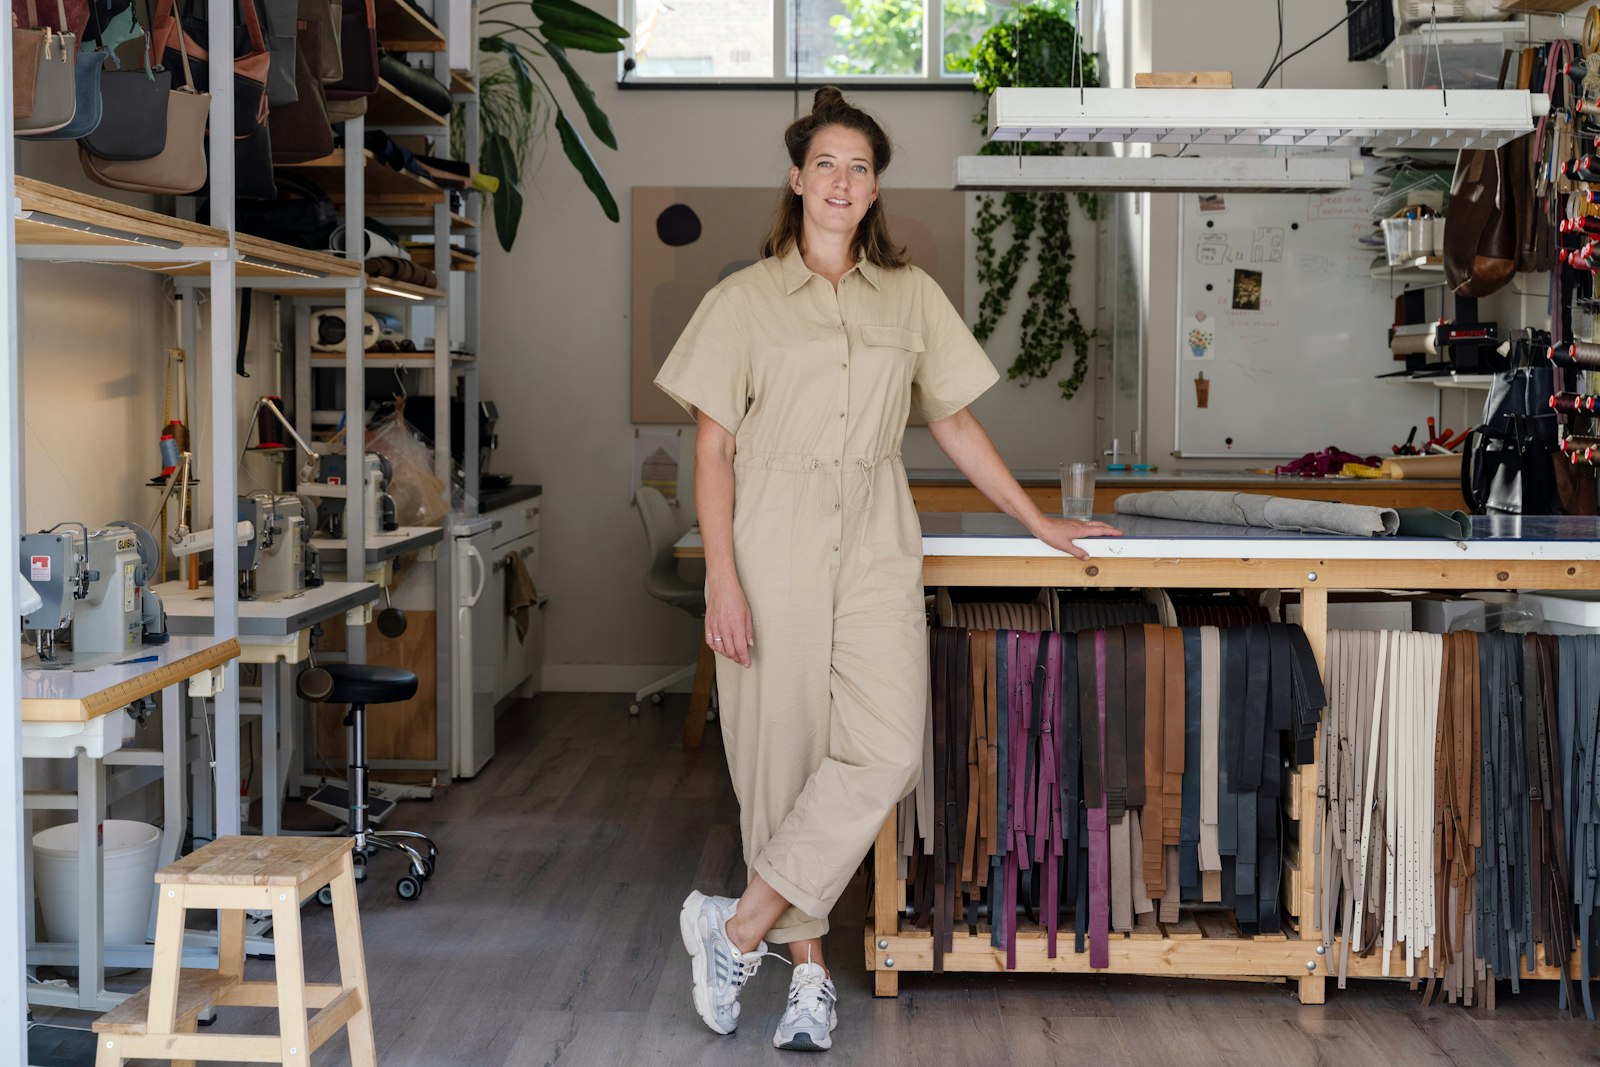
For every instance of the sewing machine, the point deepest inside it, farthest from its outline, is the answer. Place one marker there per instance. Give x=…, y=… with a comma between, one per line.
x=380, y=507
x=282, y=560
x=95, y=583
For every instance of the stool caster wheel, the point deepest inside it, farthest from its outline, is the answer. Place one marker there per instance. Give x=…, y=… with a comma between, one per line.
x=408, y=887
x=656, y=698
x=325, y=896
x=633, y=709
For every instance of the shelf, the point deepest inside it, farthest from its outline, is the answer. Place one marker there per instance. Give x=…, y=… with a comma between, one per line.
x=402, y=360
x=1448, y=381
x=389, y=191
x=402, y=28
x=391, y=107
x=401, y=291
x=50, y=215
x=422, y=255
x=463, y=83
x=421, y=221
x=259, y=263
x=1421, y=272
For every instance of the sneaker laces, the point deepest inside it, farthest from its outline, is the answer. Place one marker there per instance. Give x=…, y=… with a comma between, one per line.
x=809, y=993
x=745, y=965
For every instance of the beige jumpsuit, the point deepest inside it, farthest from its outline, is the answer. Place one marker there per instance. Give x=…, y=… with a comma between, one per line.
x=824, y=731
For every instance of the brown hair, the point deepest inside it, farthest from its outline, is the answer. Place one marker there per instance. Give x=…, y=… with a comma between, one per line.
x=871, y=242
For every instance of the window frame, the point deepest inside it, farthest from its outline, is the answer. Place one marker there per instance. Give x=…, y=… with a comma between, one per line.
x=783, y=11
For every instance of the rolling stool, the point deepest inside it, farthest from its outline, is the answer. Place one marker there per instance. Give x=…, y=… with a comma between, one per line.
x=360, y=684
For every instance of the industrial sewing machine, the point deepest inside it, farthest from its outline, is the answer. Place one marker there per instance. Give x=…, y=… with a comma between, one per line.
x=380, y=508
x=279, y=560
x=94, y=584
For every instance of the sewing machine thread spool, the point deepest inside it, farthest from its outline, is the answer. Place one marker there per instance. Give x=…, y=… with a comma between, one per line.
x=1576, y=443
x=1578, y=354
x=1589, y=224
x=169, y=454
x=1588, y=457
x=269, y=434
x=1573, y=403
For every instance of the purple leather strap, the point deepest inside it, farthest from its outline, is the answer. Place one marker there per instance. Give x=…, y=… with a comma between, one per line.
x=1099, y=864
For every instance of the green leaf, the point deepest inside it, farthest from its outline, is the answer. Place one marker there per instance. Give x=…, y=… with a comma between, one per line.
x=583, y=42
x=598, y=122
x=501, y=161
x=521, y=72
x=577, y=17
x=578, y=155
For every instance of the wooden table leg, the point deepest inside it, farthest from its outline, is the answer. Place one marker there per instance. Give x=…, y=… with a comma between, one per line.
x=294, y=1034
x=1314, y=622
x=885, y=918
x=705, y=676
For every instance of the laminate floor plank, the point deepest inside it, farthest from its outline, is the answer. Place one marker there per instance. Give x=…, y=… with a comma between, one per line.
x=549, y=936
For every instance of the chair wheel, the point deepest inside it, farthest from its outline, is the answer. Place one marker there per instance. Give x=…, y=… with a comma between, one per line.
x=633, y=709
x=408, y=887
x=325, y=896
x=656, y=698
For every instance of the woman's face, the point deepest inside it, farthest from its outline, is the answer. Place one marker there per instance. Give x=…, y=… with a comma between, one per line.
x=837, y=184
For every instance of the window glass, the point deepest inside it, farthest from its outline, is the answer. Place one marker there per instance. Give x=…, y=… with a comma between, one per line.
x=703, y=38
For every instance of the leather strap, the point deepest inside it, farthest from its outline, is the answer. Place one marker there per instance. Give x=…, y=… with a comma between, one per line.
x=1155, y=668
x=1189, y=818
x=1099, y=872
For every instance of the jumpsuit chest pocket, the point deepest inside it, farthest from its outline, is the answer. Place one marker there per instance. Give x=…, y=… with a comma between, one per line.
x=896, y=341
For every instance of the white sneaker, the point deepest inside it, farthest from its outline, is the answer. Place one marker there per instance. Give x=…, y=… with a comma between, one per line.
x=810, y=1016
x=720, y=969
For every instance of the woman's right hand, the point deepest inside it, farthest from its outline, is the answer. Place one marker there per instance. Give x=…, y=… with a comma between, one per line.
x=729, y=631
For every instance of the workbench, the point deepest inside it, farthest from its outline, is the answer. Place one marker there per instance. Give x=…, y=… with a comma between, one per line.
x=991, y=549
x=76, y=713
x=274, y=632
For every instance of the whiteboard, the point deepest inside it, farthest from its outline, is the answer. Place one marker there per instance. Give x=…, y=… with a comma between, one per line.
x=1278, y=313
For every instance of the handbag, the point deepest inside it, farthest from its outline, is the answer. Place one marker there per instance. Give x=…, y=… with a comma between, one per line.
x=1508, y=464
x=133, y=106
x=180, y=167
x=358, y=49
x=27, y=50
x=324, y=16
x=251, y=60
x=55, y=93
x=90, y=105
x=283, y=17
x=301, y=130
x=72, y=16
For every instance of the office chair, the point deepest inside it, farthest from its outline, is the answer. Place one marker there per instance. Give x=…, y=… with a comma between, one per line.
x=360, y=684
x=661, y=580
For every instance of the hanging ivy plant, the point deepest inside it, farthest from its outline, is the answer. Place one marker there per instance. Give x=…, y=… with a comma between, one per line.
x=1036, y=45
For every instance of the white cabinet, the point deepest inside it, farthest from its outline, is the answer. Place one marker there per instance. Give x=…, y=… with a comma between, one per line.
x=516, y=536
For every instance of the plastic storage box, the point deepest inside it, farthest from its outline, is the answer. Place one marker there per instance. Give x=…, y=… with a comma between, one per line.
x=1566, y=612
x=1470, y=54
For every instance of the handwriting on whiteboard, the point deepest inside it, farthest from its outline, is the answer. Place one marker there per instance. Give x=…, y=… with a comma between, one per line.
x=1350, y=204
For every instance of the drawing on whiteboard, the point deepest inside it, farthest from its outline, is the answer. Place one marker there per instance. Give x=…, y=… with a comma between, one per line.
x=1200, y=343
x=1349, y=204
x=1266, y=244
x=1202, y=391
x=1210, y=202
x=1311, y=263
x=1247, y=290
x=1212, y=249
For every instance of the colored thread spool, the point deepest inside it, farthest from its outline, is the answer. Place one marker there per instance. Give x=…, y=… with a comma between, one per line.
x=1573, y=403
x=1586, y=224
x=1584, y=354
x=169, y=454
x=269, y=434
x=1576, y=443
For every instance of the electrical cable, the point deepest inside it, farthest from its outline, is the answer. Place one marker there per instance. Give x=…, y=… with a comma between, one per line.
x=1348, y=16
x=1272, y=64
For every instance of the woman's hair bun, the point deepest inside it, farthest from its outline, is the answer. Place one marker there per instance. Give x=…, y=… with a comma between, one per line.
x=827, y=99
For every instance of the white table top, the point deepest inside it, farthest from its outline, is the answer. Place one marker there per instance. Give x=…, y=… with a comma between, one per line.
x=992, y=534
x=381, y=546
x=79, y=691
x=190, y=611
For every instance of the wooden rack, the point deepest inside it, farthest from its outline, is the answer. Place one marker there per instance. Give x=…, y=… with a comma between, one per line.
x=1172, y=952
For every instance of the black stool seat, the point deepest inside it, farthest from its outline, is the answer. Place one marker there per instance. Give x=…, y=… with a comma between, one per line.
x=368, y=683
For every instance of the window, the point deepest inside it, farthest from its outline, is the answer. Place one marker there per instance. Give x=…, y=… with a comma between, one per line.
x=776, y=41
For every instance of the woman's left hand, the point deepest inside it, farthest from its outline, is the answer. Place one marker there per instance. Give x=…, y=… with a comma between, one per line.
x=1062, y=533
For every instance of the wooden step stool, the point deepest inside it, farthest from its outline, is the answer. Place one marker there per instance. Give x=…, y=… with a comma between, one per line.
x=233, y=875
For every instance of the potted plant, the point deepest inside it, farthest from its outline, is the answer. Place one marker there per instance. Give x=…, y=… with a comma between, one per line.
x=1035, y=45
x=517, y=101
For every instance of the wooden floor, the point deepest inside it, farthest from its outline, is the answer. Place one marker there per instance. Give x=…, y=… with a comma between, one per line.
x=550, y=936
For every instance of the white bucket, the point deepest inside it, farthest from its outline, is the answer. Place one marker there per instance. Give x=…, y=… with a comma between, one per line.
x=130, y=870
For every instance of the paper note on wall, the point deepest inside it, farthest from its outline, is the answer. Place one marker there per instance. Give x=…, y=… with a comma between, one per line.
x=655, y=462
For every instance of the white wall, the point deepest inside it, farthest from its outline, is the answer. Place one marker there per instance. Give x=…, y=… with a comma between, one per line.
x=556, y=348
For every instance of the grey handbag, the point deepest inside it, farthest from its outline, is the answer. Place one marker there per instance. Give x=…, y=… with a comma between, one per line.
x=283, y=17
x=87, y=116
x=55, y=94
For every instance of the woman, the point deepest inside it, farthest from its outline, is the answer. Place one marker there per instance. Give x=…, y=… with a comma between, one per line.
x=801, y=372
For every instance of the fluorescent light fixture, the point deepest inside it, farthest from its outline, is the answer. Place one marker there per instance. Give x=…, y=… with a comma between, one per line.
x=282, y=268
x=64, y=223
x=1377, y=118
x=1153, y=174
x=386, y=291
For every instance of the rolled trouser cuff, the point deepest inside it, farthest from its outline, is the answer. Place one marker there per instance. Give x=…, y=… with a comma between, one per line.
x=800, y=899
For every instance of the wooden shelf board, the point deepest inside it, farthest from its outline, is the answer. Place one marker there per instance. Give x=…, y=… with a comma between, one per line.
x=463, y=83
x=389, y=106
x=459, y=260
x=383, y=183
x=401, y=28
x=413, y=292
x=404, y=360
x=72, y=206
x=421, y=220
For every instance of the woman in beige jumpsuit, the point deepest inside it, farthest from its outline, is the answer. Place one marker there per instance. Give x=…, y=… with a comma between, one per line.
x=801, y=372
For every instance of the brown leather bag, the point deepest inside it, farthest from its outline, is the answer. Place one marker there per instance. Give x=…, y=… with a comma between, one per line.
x=324, y=17
x=55, y=83
x=1480, y=227
x=27, y=50
x=301, y=130
x=180, y=167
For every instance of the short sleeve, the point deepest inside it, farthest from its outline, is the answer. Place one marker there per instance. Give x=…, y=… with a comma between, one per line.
x=708, y=370
x=953, y=369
